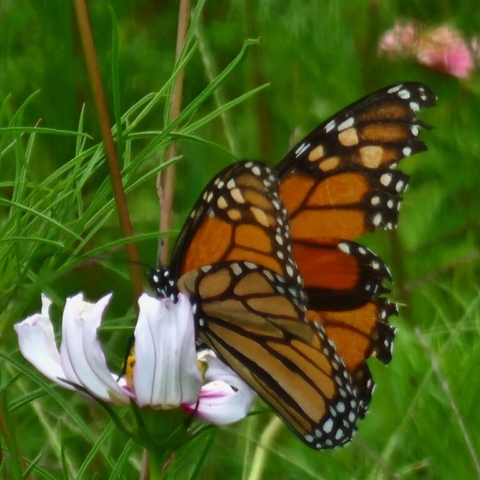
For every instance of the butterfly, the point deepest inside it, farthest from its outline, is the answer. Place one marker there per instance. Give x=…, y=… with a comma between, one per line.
x=279, y=290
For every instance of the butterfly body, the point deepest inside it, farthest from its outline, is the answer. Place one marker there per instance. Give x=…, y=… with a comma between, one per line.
x=279, y=289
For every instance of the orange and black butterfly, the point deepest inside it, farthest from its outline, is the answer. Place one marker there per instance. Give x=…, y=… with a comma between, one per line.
x=279, y=289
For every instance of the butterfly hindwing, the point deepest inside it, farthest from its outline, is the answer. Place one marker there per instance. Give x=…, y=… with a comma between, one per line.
x=256, y=326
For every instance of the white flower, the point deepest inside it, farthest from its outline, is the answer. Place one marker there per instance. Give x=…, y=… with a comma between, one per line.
x=165, y=372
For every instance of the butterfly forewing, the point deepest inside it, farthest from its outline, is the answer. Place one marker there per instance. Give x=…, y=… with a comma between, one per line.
x=239, y=217
x=340, y=179
x=258, y=328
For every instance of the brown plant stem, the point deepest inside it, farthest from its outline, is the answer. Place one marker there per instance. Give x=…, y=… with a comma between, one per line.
x=109, y=145
x=166, y=183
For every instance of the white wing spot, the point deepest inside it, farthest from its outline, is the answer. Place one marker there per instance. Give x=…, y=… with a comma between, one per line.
x=377, y=219
x=328, y=426
x=289, y=270
x=375, y=200
x=344, y=247
x=236, y=269
x=301, y=149
x=414, y=106
x=256, y=170
x=395, y=89
x=346, y=124
x=386, y=179
x=415, y=129
x=293, y=291
x=268, y=275
x=404, y=94
x=407, y=151
x=330, y=126
x=231, y=184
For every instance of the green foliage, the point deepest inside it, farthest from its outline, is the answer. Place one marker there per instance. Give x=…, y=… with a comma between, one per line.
x=59, y=232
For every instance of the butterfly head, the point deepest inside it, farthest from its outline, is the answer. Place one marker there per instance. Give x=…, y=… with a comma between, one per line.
x=161, y=280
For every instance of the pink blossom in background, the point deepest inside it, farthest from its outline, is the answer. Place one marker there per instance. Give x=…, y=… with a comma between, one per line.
x=401, y=40
x=442, y=48
x=445, y=50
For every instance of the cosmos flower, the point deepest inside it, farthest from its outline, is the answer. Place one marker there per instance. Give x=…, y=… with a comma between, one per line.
x=166, y=371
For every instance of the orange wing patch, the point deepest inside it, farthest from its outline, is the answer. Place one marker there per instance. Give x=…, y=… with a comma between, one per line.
x=325, y=266
x=208, y=244
x=350, y=331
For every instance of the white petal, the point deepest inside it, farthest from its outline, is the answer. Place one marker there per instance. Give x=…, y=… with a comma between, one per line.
x=36, y=340
x=81, y=354
x=166, y=371
x=191, y=377
x=225, y=399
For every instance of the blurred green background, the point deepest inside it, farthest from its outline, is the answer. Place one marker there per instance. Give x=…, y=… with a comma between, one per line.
x=317, y=57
